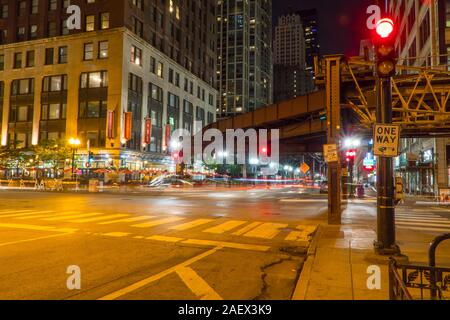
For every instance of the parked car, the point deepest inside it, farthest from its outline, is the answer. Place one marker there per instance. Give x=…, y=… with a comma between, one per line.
x=324, y=187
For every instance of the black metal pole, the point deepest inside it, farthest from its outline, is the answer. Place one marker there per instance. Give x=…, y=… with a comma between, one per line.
x=73, y=160
x=385, y=178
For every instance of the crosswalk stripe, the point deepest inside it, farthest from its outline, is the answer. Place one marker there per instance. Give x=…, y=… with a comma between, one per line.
x=112, y=216
x=416, y=216
x=20, y=214
x=72, y=216
x=420, y=224
x=191, y=224
x=443, y=220
x=303, y=234
x=247, y=228
x=226, y=226
x=424, y=229
x=14, y=211
x=140, y=218
x=266, y=230
x=41, y=215
x=157, y=222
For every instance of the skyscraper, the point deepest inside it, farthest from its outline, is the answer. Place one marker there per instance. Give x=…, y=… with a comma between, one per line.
x=132, y=73
x=309, y=20
x=291, y=78
x=244, y=55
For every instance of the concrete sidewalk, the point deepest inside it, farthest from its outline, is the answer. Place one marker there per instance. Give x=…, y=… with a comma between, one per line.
x=339, y=256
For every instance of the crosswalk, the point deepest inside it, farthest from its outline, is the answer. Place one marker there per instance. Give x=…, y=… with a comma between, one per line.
x=422, y=220
x=171, y=224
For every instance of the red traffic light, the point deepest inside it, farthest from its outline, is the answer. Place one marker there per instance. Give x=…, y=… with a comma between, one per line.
x=264, y=150
x=350, y=154
x=385, y=27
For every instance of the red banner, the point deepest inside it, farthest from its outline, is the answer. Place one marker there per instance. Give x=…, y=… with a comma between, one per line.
x=128, y=125
x=110, y=124
x=167, y=137
x=148, y=131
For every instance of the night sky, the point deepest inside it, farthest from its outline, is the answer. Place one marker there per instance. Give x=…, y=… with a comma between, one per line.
x=342, y=23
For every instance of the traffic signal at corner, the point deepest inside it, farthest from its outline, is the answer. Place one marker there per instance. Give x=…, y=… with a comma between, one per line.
x=384, y=41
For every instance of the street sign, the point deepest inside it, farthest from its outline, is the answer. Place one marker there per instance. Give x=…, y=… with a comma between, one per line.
x=344, y=172
x=330, y=152
x=304, y=168
x=386, y=138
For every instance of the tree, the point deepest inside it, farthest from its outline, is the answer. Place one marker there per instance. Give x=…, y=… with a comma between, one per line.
x=14, y=158
x=52, y=152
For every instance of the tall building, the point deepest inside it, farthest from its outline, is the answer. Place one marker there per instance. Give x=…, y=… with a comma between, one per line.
x=309, y=20
x=291, y=78
x=133, y=72
x=244, y=55
x=423, y=40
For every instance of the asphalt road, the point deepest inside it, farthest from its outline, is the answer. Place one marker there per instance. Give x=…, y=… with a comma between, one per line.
x=202, y=244
x=246, y=244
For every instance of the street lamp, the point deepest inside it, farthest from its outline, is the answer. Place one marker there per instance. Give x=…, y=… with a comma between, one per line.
x=74, y=143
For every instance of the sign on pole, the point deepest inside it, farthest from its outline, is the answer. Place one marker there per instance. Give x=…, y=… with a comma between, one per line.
x=386, y=138
x=304, y=168
x=330, y=152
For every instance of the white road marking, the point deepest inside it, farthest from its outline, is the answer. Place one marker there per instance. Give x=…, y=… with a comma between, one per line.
x=157, y=222
x=112, y=216
x=147, y=281
x=266, y=230
x=224, y=227
x=197, y=285
x=191, y=224
x=140, y=218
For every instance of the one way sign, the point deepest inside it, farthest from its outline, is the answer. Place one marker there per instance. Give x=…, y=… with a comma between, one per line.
x=386, y=139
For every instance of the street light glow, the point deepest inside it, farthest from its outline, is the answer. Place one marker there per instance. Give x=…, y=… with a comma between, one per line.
x=74, y=141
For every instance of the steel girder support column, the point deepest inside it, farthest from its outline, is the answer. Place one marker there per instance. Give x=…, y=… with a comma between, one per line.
x=333, y=102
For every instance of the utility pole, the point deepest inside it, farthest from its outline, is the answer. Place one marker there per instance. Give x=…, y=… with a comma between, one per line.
x=333, y=135
x=385, y=69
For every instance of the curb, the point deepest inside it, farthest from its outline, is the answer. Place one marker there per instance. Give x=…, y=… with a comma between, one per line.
x=305, y=275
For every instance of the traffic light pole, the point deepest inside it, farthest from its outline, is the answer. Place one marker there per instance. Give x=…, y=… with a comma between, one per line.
x=385, y=243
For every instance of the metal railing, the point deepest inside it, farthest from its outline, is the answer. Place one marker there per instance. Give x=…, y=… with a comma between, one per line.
x=408, y=282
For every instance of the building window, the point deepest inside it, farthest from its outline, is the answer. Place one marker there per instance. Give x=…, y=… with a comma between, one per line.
x=88, y=51
x=48, y=56
x=97, y=79
x=17, y=60
x=2, y=63
x=137, y=26
x=51, y=29
x=22, y=86
x=135, y=83
x=103, y=49
x=20, y=33
x=52, y=5
x=62, y=55
x=136, y=55
x=156, y=93
x=33, y=31
x=4, y=13
x=54, y=83
x=104, y=20
x=90, y=23
x=54, y=111
x=138, y=4
x=34, y=6
x=93, y=109
x=64, y=28
x=30, y=59
x=160, y=70
x=170, y=75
